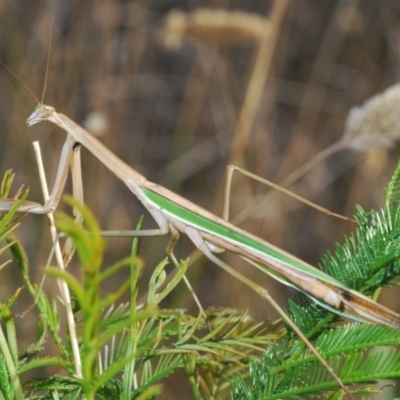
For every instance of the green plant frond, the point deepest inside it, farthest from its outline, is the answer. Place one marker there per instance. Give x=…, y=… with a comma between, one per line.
x=114, y=314
x=7, y=223
x=157, y=279
x=113, y=269
x=190, y=330
x=57, y=383
x=87, y=238
x=72, y=282
x=5, y=263
x=370, y=257
x=119, y=315
x=57, y=395
x=107, y=334
x=112, y=324
x=12, y=337
x=6, y=184
x=183, y=265
x=308, y=316
x=150, y=392
x=5, y=308
x=120, y=321
x=7, y=231
x=36, y=347
x=50, y=316
x=268, y=379
x=21, y=260
x=219, y=327
x=40, y=362
x=104, y=383
x=251, y=330
x=8, y=355
x=6, y=388
x=166, y=365
x=392, y=192
x=355, y=337
x=6, y=218
x=341, y=343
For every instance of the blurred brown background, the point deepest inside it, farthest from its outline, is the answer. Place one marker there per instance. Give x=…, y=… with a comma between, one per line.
x=172, y=113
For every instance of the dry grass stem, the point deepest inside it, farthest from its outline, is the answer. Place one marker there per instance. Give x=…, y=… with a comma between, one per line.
x=64, y=289
x=257, y=81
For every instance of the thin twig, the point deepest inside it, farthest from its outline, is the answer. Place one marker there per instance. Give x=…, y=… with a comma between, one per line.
x=257, y=81
x=62, y=284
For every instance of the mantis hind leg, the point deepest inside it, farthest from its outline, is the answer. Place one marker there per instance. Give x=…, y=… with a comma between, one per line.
x=230, y=169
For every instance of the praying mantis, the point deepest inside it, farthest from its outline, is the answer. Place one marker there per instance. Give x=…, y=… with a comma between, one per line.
x=209, y=233
x=270, y=259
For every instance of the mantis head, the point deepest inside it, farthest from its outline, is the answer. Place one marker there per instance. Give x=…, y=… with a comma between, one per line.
x=41, y=114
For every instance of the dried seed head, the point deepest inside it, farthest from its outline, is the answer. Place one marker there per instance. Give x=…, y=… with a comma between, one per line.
x=375, y=124
x=213, y=26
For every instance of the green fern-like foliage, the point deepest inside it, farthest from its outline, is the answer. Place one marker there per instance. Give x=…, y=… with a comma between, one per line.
x=127, y=350
x=368, y=260
x=13, y=360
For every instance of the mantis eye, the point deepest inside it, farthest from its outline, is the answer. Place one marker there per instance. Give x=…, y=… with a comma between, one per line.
x=42, y=106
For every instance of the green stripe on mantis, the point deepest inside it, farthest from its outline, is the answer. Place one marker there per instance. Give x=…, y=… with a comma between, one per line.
x=237, y=236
